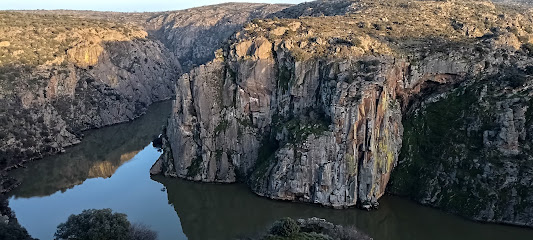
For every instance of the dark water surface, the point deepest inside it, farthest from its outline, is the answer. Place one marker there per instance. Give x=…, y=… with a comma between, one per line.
x=109, y=169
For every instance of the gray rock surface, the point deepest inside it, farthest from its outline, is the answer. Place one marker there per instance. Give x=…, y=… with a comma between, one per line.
x=317, y=139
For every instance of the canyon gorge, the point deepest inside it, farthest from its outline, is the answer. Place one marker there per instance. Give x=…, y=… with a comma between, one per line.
x=335, y=103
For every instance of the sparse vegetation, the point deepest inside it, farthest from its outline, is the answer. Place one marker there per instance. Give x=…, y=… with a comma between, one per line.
x=388, y=27
x=35, y=39
x=30, y=40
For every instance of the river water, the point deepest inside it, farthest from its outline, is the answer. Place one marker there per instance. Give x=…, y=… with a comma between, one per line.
x=109, y=169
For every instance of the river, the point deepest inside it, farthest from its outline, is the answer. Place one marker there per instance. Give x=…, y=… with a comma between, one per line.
x=110, y=169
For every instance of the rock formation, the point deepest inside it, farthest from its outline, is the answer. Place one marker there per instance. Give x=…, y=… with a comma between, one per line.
x=469, y=150
x=63, y=72
x=311, y=109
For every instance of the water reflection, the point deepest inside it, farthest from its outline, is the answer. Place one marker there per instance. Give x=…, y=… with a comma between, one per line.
x=99, y=155
x=110, y=169
x=213, y=211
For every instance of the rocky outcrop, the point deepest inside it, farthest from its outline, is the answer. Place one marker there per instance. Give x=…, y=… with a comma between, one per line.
x=319, y=119
x=314, y=131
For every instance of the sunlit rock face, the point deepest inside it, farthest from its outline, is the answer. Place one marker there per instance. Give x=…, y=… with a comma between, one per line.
x=295, y=130
x=307, y=113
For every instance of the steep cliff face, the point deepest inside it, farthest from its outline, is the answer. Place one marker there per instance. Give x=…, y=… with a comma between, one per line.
x=308, y=113
x=296, y=130
x=194, y=34
x=86, y=74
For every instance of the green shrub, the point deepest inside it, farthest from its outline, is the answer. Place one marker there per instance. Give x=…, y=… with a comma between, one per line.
x=285, y=227
x=141, y=232
x=94, y=224
x=102, y=224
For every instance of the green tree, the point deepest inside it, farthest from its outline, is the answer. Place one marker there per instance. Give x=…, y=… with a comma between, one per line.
x=285, y=227
x=94, y=224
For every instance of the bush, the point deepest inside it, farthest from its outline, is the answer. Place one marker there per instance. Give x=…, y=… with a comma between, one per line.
x=312, y=229
x=101, y=225
x=10, y=229
x=94, y=225
x=285, y=227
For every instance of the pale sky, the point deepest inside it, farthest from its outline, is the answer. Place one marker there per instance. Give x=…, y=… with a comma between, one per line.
x=121, y=5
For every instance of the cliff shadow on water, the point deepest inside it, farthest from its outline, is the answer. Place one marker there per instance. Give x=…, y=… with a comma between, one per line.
x=230, y=211
x=101, y=153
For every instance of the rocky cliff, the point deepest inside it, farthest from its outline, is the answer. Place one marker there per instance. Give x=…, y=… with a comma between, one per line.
x=61, y=76
x=468, y=150
x=314, y=109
